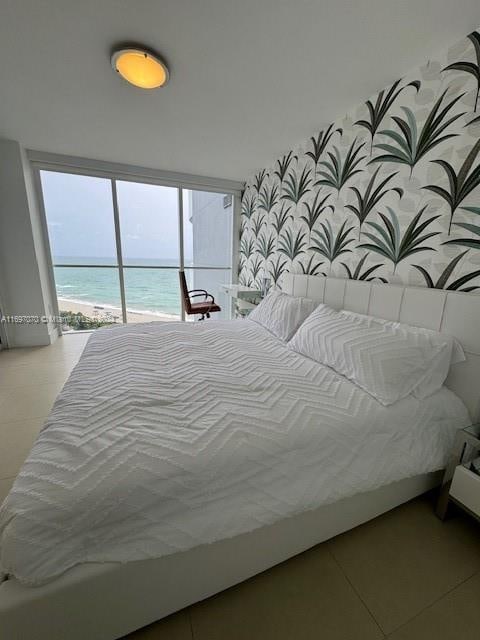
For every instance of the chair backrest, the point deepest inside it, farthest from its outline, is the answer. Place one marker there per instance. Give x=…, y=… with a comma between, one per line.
x=184, y=289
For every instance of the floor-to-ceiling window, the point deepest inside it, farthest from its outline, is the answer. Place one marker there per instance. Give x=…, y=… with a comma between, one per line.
x=149, y=231
x=117, y=247
x=207, y=242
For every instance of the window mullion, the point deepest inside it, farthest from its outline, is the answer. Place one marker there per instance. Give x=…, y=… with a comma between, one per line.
x=181, y=245
x=118, y=241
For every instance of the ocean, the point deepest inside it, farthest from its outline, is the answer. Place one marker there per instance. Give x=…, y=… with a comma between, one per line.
x=147, y=290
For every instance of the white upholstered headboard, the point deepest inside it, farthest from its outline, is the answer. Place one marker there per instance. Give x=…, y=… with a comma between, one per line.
x=457, y=314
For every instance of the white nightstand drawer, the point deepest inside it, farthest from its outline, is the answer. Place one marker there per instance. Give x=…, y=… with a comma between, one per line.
x=466, y=489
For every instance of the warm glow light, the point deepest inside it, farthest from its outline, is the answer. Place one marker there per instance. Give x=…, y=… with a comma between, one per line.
x=141, y=68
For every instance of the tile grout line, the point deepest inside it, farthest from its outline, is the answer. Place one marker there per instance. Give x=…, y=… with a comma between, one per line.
x=27, y=388
x=357, y=593
x=191, y=623
x=429, y=606
x=66, y=356
x=25, y=418
x=5, y=422
x=26, y=365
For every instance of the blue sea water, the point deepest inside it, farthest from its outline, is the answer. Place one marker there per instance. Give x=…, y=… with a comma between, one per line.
x=148, y=290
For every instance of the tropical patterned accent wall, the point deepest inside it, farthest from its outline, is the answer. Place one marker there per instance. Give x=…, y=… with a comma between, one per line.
x=391, y=192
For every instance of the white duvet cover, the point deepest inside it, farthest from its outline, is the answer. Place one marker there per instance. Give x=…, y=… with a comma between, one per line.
x=170, y=435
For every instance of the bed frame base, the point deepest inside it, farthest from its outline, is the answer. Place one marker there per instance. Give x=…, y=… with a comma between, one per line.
x=107, y=601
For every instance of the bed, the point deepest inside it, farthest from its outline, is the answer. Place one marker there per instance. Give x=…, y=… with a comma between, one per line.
x=179, y=460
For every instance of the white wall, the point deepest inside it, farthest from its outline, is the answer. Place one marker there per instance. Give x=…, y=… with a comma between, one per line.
x=24, y=273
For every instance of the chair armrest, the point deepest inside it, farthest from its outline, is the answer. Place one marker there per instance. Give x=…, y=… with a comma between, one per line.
x=205, y=295
x=198, y=291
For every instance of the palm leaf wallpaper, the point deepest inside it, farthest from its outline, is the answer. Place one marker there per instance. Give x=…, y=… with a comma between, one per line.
x=388, y=241
x=335, y=171
x=409, y=145
x=388, y=193
x=378, y=111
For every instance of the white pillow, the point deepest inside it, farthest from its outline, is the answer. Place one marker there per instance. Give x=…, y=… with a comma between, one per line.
x=382, y=358
x=282, y=314
x=437, y=374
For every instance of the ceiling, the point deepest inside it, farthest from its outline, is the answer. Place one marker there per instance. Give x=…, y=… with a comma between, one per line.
x=249, y=78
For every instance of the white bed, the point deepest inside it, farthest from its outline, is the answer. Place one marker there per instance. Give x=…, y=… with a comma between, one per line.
x=217, y=466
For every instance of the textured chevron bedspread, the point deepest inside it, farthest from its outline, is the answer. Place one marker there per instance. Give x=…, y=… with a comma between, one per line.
x=170, y=435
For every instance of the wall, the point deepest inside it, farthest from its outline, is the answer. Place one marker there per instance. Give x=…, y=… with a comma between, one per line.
x=23, y=276
x=389, y=192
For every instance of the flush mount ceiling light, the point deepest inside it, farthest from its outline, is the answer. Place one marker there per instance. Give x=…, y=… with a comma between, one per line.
x=140, y=67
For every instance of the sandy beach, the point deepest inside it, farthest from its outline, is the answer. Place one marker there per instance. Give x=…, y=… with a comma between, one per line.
x=97, y=312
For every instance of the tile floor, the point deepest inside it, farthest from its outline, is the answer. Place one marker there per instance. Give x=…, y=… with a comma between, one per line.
x=402, y=576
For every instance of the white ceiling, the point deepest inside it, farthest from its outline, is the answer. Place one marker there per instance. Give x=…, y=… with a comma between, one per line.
x=249, y=78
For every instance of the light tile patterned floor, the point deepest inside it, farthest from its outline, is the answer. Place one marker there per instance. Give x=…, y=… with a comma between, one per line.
x=402, y=576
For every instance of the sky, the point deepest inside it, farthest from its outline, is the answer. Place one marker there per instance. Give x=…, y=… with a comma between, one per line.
x=80, y=222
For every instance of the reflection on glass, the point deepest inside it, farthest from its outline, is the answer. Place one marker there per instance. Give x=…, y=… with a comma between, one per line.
x=152, y=294
x=148, y=224
x=207, y=229
x=88, y=298
x=79, y=214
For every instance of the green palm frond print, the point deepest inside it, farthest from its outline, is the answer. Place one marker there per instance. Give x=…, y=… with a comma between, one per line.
x=259, y=178
x=257, y=224
x=473, y=243
x=246, y=281
x=473, y=68
x=371, y=197
x=296, y=187
x=312, y=268
x=320, y=142
x=266, y=245
x=338, y=171
x=276, y=269
x=456, y=285
x=255, y=267
x=268, y=198
x=247, y=247
x=283, y=165
x=378, y=111
x=388, y=192
x=357, y=274
x=315, y=209
x=408, y=145
x=281, y=218
x=392, y=244
x=249, y=205
x=461, y=184
x=292, y=245
x=329, y=245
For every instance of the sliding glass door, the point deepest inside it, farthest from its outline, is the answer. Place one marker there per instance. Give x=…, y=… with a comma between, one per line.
x=117, y=247
x=149, y=230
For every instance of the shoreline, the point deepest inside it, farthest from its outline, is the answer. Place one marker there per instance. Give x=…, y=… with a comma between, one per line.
x=97, y=311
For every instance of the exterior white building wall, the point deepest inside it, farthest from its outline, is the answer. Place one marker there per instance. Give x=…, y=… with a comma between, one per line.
x=212, y=228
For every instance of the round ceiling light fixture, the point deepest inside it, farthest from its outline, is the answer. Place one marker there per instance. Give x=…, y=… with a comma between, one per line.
x=141, y=67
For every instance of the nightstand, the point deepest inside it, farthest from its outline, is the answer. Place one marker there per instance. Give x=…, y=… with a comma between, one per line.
x=245, y=298
x=460, y=485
